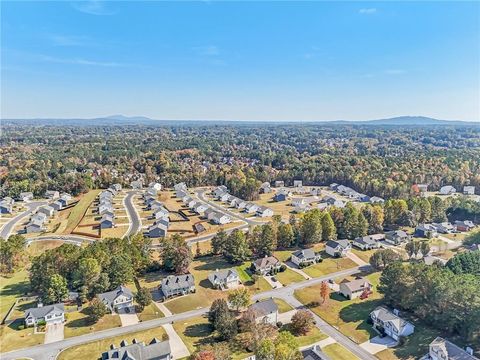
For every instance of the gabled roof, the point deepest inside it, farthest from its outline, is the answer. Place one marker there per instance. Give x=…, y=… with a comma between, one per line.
x=139, y=351
x=222, y=275
x=266, y=261
x=357, y=284
x=304, y=254
x=264, y=307
x=366, y=240
x=110, y=296
x=386, y=316
x=452, y=351
x=337, y=244
x=174, y=282
x=262, y=209
x=42, y=311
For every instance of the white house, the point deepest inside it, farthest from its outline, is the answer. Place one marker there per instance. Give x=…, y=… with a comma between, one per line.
x=447, y=190
x=174, y=285
x=442, y=349
x=47, y=210
x=200, y=208
x=390, y=323
x=264, y=211
x=224, y=279
x=51, y=314
x=117, y=299
x=266, y=265
x=25, y=196
x=469, y=190
x=368, y=242
x=337, y=248
x=220, y=218
x=251, y=208
x=297, y=183
x=353, y=289
x=155, y=185
x=304, y=257
x=52, y=194
x=266, y=311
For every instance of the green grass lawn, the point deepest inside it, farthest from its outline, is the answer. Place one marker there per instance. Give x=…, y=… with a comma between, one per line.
x=94, y=350
x=151, y=280
x=350, y=316
x=338, y=352
x=12, y=338
x=243, y=272
x=79, y=210
x=365, y=255
x=150, y=312
x=313, y=336
x=329, y=265
x=11, y=288
x=283, y=255
x=78, y=323
x=288, y=277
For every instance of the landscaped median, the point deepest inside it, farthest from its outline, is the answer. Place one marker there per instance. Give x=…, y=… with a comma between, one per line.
x=94, y=350
x=79, y=210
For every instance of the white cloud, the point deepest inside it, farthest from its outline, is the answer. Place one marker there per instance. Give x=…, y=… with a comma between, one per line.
x=92, y=7
x=367, y=11
x=80, y=61
x=210, y=50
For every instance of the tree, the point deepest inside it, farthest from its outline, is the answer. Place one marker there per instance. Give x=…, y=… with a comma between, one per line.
x=324, y=291
x=286, y=236
x=382, y=258
x=226, y=326
x=216, y=351
x=264, y=241
x=218, y=306
x=198, y=251
x=237, y=250
x=311, y=227
x=411, y=248
x=219, y=242
x=302, y=322
x=266, y=350
x=465, y=263
x=438, y=209
x=375, y=218
x=96, y=310
x=120, y=271
x=143, y=298
x=424, y=248
x=239, y=298
x=87, y=274
x=329, y=232
x=284, y=347
x=176, y=255
x=56, y=291
x=12, y=252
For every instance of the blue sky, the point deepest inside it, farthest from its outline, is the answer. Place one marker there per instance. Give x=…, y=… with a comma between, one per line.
x=241, y=60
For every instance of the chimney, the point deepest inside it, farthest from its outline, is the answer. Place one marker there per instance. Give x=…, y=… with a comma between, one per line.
x=40, y=304
x=469, y=350
x=396, y=312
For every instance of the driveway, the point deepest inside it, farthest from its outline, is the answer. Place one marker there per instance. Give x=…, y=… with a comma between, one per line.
x=179, y=350
x=286, y=317
x=128, y=318
x=378, y=344
x=295, y=268
x=54, y=333
x=273, y=284
x=356, y=259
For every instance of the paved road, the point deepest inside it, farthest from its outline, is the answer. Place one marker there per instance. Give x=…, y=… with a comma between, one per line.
x=74, y=239
x=133, y=217
x=50, y=351
x=31, y=208
x=201, y=195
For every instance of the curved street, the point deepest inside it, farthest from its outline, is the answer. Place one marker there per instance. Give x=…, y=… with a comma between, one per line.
x=133, y=217
x=9, y=226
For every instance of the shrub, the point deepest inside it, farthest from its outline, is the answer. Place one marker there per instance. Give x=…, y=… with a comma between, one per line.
x=283, y=267
x=21, y=327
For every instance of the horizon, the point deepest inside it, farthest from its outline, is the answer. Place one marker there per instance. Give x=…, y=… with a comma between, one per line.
x=231, y=61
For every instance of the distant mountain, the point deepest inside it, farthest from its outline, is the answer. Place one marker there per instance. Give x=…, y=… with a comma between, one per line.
x=412, y=120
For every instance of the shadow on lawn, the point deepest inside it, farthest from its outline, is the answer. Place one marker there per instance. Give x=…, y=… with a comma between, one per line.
x=201, y=332
x=20, y=288
x=213, y=263
x=360, y=312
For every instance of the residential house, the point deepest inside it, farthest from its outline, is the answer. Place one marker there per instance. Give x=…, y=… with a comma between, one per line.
x=224, y=197
x=155, y=205
x=106, y=222
x=241, y=204
x=174, y=285
x=426, y=231
x=279, y=183
x=180, y=194
x=364, y=198
x=315, y=191
x=297, y=183
x=305, y=257
x=181, y=186
x=251, y=208
x=47, y=210
x=52, y=194
x=155, y=350
x=313, y=353
x=469, y=190
x=353, y=289
x=208, y=214
x=117, y=187
x=266, y=265
x=36, y=224
x=220, y=191
x=200, y=208
x=442, y=349
x=265, y=188
x=224, y=279
x=266, y=311
x=333, y=201
x=396, y=237
x=465, y=225
x=389, y=323
x=376, y=200
x=112, y=191
x=25, y=196
x=447, y=190
x=264, y=211
x=300, y=209
x=299, y=201
x=280, y=196
x=66, y=196
x=64, y=200
x=220, y=218
x=423, y=188
x=6, y=207
x=159, y=230
x=136, y=184
x=160, y=212
x=430, y=260
x=337, y=248
x=51, y=314
x=155, y=185
x=57, y=205
x=150, y=192
x=333, y=186
x=199, y=228
x=117, y=299
x=444, y=227
x=368, y=242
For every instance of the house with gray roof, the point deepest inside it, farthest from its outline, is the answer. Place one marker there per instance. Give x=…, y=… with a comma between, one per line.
x=6, y=207
x=117, y=299
x=264, y=211
x=52, y=194
x=397, y=237
x=469, y=190
x=390, y=323
x=160, y=213
x=442, y=349
x=265, y=188
x=25, y=196
x=447, y=190
x=266, y=265
x=106, y=222
x=51, y=314
x=158, y=230
x=224, y=279
x=353, y=289
x=220, y=218
x=209, y=213
x=251, y=208
x=57, y=205
x=376, y=200
x=47, y=210
x=465, y=225
x=154, y=350
x=35, y=225
x=368, y=242
x=200, y=208
x=174, y=285
x=266, y=311
x=337, y=248
x=305, y=257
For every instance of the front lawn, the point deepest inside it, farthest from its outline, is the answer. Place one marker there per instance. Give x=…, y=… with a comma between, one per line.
x=349, y=316
x=12, y=338
x=78, y=323
x=338, y=352
x=150, y=312
x=11, y=288
x=365, y=255
x=329, y=265
x=94, y=350
x=288, y=277
x=313, y=336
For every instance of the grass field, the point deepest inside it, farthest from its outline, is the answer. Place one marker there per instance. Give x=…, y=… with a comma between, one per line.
x=338, y=352
x=79, y=209
x=94, y=350
x=289, y=277
x=328, y=265
x=39, y=247
x=349, y=316
x=12, y=338
x=282, y=305
x=365, y=255
x=313, y=336
x=150, y=312
x=11, y=288
x=78, y=323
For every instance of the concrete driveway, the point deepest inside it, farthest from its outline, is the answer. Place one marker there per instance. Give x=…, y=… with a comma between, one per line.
x=53, y=332
x=128, y=318
x=179, y=350
x=286, y=317
x=273, y=284
x=378, y=344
